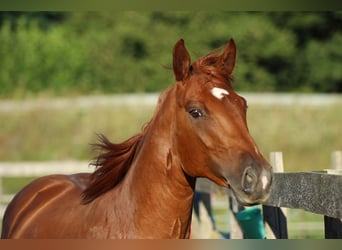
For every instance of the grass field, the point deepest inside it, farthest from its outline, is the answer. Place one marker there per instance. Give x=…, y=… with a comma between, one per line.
x=65, y=134
x=305, y=134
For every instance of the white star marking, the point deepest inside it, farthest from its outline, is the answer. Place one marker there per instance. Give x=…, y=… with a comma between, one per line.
x=219, y=93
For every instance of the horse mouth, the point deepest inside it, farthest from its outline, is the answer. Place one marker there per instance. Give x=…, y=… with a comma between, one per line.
x=244, y=199
x=252, y=189
x=241, y=201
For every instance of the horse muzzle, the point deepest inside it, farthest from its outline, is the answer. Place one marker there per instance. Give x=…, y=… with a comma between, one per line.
x=254, y=187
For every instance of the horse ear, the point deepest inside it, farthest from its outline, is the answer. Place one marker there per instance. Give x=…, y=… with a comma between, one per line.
x=181, y=61
x=226, y=62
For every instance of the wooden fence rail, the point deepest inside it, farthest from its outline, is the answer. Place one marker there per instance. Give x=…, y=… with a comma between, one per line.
x=316, y=192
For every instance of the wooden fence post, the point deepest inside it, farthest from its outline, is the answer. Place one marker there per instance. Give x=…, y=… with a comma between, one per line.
x=275, y=217
x=276, y=160
x=333, y=226
x=336, y=159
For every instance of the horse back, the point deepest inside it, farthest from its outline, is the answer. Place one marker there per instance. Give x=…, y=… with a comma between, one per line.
x=42, y=200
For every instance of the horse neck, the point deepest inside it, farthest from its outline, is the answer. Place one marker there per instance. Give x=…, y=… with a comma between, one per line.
x=160, y=191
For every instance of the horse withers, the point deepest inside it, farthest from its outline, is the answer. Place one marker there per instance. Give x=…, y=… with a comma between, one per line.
x=144, y=186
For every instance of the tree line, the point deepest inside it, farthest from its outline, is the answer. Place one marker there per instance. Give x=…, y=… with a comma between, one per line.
x=115, y=52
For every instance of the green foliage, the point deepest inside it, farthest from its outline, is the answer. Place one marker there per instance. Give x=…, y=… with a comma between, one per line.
x=324, y=65
x=34, y=60
x=107, y=52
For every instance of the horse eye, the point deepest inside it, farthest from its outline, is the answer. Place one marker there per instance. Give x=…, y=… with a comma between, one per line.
x=196, y=113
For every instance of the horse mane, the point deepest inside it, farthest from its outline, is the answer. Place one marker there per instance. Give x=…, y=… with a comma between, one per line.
x=206, y=64
x=115, y=160
x=111, y=165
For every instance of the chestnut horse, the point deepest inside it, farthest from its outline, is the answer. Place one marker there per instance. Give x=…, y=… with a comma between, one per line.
x=144, y=187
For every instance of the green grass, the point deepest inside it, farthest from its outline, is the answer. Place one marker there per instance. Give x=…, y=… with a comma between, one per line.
x=305, y=135
x=65, y=134
x=12, y=185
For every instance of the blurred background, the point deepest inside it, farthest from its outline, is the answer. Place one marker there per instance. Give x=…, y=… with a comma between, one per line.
x=96, y=52
x=60, y=73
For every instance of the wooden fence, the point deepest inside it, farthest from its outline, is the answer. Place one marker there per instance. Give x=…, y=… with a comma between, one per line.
x=316, y=192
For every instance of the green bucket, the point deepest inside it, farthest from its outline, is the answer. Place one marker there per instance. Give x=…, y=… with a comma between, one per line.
x=251, y=223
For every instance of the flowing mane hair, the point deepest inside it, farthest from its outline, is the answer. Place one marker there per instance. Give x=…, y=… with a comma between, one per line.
x=115, y=160
x=111, y=165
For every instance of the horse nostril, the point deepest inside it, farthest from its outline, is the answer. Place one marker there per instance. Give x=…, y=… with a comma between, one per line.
x=249, y=180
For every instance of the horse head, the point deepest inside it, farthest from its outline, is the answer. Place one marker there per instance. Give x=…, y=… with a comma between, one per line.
x=212, y=136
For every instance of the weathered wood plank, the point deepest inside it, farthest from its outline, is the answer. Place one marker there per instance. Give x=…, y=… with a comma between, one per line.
x=316, y=192
x=21, y=169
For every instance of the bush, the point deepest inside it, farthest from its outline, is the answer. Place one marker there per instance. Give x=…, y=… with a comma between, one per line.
x=34, y=60
x=91, y=52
